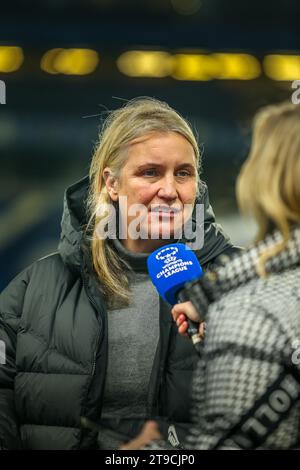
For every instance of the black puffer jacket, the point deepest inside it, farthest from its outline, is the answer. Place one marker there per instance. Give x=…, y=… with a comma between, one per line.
x=53, y=325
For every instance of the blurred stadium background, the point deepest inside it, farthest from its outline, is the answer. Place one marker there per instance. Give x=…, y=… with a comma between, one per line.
x=66, y=62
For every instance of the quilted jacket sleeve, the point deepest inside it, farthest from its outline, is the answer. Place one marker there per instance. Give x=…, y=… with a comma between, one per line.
x=11, y=305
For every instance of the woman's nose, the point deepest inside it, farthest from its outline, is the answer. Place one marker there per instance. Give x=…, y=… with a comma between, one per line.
x=168, y=188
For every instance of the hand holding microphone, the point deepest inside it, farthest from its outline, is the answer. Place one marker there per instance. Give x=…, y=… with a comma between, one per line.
x=170, y=268
x=183, y=312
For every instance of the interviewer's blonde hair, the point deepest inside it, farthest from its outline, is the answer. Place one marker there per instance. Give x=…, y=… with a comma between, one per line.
x=268, y=186
x=138, y=117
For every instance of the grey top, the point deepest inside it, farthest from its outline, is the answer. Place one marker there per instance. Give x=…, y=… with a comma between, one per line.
x=133, y=334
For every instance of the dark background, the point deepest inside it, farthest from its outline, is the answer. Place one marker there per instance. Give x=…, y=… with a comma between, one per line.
x=50, y=123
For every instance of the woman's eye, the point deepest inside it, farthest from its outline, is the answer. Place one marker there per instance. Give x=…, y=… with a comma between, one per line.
x=183, y=173
x=150, y=172
x=154, y=172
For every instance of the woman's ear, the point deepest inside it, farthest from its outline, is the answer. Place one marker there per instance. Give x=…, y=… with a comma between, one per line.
x=111, y=184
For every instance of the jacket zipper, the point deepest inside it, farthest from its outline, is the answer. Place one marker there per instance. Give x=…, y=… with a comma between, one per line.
x=92, y=301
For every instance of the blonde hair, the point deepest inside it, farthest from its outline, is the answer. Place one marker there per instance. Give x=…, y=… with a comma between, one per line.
x=137, y=118
x=268, y=186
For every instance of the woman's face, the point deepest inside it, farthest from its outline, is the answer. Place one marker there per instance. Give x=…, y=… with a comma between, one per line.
x=160, y=175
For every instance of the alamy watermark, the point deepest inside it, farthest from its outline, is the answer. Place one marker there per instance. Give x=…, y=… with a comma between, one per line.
x=2, y=92
x=164, y=222
x=296, y=95
x=296, y=353
x=2, y=352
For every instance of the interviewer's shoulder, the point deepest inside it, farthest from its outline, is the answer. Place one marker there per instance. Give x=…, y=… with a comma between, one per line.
x=258, y=312
x=268, y=295
x=280, y=295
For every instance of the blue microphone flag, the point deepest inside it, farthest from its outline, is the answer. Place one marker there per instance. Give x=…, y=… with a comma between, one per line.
x=170, y=267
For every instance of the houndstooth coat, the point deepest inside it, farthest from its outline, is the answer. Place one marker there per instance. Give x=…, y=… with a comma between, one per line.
x=253, y=330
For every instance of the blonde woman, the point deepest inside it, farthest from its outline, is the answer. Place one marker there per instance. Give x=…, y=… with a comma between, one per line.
x=87, y=337
x=247, y=385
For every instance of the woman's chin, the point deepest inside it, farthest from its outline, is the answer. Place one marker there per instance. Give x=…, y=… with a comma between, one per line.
x=164, y=231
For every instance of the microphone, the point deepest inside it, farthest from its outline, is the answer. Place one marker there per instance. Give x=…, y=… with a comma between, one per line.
x=170, y=268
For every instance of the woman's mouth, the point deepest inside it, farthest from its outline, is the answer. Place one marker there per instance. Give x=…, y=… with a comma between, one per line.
x=164, y=212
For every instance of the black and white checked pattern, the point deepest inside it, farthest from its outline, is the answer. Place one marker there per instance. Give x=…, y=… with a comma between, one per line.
x=251, y=329
x=240, y=269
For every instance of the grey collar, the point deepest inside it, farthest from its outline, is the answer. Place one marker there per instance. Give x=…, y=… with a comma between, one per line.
x=135, y=261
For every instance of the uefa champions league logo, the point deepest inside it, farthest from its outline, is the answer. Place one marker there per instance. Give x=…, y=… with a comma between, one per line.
x=167, y=255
